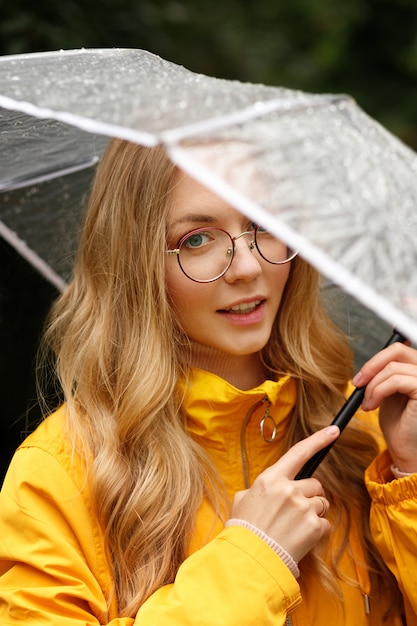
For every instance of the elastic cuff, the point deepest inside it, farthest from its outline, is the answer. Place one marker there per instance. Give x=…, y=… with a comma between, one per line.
x=279, y=550
x=398, y=473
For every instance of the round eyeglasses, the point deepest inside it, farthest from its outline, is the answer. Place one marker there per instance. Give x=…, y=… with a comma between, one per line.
x=205, y=254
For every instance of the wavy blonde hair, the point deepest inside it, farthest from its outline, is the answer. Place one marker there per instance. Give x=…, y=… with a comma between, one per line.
x=119, y=353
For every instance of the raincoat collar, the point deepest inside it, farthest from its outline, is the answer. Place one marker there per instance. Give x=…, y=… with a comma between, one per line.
x=226, y=422
x=211, y=402
x=226, y=392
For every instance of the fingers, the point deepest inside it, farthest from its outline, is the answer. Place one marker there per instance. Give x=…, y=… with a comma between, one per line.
x=398, y=380
x=398, y=352
x=293, y=513
x=390, y=378
x=292, y=462
x=391, y=371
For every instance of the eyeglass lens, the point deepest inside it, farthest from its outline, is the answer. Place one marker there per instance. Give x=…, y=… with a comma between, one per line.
x=206, y=253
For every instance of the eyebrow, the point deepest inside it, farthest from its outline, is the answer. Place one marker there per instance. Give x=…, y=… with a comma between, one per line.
x=194, y=218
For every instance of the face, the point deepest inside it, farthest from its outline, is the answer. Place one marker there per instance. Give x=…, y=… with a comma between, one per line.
x=235, y=313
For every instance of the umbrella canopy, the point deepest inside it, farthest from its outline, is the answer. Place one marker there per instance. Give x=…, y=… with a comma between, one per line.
x=313, y=169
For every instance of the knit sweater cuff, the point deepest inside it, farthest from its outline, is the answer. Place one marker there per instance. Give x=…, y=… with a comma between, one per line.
x=398, y=473
x=279, y=550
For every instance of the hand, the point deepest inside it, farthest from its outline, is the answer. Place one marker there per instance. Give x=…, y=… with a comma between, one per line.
x=391, y=384
x=289, y=511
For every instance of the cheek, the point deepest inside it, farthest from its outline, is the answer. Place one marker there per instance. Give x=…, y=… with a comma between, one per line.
x=279, y=277
x=186, y=296
x=175, y=288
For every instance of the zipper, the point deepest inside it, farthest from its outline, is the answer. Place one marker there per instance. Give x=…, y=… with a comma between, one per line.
x=243, y=450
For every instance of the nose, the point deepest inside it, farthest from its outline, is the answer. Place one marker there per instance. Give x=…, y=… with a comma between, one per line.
x=245, y=265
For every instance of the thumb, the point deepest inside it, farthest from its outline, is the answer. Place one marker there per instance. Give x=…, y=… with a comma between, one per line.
x=293, y=460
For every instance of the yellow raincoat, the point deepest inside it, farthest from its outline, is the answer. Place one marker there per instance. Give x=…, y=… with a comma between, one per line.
x=54, y=569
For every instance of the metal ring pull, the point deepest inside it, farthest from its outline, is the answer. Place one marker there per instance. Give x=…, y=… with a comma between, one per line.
x=272, y=436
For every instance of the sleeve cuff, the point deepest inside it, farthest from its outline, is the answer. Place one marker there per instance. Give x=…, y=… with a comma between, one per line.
x=276, y=547
x=382, y=486
x=398, y=473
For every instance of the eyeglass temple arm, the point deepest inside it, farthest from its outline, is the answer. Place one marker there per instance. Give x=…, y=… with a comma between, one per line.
x=342, y=419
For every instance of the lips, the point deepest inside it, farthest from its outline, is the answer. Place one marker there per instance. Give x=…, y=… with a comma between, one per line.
x=243, y=307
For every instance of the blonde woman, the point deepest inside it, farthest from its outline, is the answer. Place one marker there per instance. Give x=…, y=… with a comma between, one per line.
x=199, y=372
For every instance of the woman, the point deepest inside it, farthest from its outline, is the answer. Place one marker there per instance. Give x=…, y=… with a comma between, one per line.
x=192, y=361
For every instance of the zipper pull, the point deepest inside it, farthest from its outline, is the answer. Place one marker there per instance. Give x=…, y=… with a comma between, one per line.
x=367, y=604
x=268, y=421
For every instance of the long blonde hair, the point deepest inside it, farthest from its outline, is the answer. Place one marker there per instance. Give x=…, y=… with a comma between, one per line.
x=119, y=353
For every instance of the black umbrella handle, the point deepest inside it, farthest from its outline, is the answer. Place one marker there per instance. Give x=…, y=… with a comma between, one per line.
x=342, y=419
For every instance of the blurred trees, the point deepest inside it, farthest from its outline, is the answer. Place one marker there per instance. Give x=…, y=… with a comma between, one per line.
x=367, y=48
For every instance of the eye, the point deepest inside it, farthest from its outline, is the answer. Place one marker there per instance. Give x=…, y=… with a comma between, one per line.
x=253, y=226
x=260, y=228
x=197, y=239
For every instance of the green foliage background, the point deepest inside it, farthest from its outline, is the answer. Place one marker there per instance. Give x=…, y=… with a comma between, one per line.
x=367, y=48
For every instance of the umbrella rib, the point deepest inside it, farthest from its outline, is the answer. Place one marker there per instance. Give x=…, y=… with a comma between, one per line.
x=34, y=259
x=258, y=109
x=87, y=124
x=47, y=175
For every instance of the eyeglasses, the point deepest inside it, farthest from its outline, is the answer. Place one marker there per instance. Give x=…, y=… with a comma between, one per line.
x=205, y=254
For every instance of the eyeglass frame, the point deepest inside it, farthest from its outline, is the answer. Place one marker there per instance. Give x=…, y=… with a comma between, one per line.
x=252, y=244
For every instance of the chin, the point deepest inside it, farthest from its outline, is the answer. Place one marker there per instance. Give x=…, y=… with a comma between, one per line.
x=245, y=350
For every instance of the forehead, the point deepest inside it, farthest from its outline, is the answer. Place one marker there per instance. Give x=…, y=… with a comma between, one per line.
x=193, y=202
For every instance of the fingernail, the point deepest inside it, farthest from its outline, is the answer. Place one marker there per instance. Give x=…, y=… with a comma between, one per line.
x=332, y=430
x=357, y=379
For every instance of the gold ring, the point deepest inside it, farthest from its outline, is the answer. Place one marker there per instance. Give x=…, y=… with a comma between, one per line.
x=324, y=509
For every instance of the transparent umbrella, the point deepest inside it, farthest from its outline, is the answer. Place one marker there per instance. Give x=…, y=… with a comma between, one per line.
x=313, y=169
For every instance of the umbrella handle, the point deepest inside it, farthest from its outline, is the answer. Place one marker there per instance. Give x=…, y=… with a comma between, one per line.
x=342, y=419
